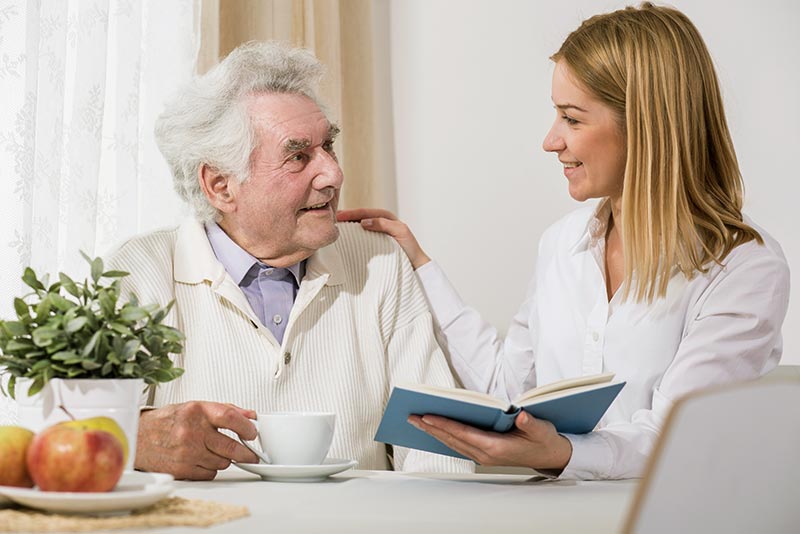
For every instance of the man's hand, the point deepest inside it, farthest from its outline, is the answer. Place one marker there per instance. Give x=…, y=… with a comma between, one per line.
x=386, y=222
x=184, y=441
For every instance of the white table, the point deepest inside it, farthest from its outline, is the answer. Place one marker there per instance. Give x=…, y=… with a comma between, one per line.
x=379, y=501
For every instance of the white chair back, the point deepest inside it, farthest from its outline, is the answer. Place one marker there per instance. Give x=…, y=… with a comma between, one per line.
x=728, y=460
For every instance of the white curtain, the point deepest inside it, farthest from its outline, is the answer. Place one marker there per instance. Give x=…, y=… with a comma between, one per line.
x=81, y=83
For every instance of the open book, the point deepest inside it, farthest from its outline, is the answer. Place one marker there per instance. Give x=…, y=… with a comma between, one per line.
x=573, y=405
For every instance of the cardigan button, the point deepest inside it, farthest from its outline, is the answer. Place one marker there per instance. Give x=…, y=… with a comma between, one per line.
x=287, y=358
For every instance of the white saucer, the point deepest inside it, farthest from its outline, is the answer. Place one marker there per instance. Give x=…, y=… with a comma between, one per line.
x=134, y=490
x=299, y=473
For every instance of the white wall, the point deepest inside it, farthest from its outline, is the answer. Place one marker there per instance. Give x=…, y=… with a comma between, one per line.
x=471, y=82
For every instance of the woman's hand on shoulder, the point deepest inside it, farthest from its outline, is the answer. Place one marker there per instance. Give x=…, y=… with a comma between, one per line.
x=386, y=222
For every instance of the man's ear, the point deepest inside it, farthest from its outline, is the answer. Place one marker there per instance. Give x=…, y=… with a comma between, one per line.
x=218, y=188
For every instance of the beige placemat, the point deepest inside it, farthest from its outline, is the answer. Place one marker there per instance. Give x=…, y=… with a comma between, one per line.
x=169, y=512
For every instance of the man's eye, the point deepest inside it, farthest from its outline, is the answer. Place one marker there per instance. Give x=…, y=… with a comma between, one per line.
x=298, y=157
x=327, y=146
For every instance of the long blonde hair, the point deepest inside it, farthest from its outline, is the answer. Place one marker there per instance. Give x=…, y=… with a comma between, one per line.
x=682, y=191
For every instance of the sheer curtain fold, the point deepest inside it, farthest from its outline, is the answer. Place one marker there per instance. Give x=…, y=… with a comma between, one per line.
x=82, y=82
x=84, y=106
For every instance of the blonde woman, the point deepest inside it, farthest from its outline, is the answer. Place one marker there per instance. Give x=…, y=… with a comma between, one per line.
x=664, y=282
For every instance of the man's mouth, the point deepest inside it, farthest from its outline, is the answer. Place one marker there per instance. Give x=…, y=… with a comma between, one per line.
x=313, y=207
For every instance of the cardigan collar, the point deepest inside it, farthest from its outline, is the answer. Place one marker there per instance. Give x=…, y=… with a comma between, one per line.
x=195, y=261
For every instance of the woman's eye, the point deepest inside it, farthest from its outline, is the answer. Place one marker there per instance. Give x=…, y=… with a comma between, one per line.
x=569, y=120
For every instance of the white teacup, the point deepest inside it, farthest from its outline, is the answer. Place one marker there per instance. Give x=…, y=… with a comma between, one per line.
x=296, y=438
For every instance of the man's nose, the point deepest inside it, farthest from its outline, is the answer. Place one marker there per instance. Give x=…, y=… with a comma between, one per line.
x=329, y=173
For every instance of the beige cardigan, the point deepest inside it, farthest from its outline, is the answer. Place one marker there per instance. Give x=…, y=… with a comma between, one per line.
x=360, y=325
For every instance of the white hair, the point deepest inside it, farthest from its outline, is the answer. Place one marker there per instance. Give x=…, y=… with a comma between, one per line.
x=208, y=122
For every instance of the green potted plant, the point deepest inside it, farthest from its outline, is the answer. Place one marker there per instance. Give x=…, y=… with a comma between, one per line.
x=73, y=344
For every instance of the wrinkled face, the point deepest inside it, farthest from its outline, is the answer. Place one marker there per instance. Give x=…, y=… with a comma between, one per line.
x=286, y=210
x=587, y=138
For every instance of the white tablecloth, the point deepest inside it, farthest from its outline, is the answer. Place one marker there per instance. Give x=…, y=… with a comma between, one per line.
x=378, y=501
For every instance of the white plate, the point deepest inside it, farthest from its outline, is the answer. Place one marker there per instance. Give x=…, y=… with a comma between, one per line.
x=134, y=490
x=299, y=473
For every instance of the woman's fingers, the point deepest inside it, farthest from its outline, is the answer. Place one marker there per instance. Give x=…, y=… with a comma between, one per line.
x=402, y=234
x=396, y=229
x=461, y=446
x=386, y=222
x=534, y=443
x=359, y=214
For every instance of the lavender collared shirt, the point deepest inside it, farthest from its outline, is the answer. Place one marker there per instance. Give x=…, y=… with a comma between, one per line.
x=270, y=291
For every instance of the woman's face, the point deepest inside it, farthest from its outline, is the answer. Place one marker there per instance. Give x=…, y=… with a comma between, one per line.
x=587, y=138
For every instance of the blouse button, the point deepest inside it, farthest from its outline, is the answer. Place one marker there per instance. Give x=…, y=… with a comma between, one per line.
x=277, y=319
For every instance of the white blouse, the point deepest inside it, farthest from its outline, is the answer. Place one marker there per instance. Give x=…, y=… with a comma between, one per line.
x=721, y=326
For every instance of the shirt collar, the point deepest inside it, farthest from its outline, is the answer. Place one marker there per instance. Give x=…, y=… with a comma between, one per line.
x=298, y=270
x=596, y=228
x=236, y=260
x=195, y=260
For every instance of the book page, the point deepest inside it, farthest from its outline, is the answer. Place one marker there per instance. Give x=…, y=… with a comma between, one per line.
x=530, y=401
x=562, y=385
x=474, y=397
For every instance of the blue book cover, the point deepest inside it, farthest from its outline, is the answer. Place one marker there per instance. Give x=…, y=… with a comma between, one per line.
x=574, y=406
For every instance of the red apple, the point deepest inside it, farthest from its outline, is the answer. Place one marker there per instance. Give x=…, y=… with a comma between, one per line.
x=66, y=458
x=14, y=443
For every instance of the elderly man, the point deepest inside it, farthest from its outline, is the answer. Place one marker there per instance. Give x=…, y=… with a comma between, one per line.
x=282, y=309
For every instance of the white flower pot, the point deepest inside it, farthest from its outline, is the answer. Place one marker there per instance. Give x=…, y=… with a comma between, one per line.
x=117, y=398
